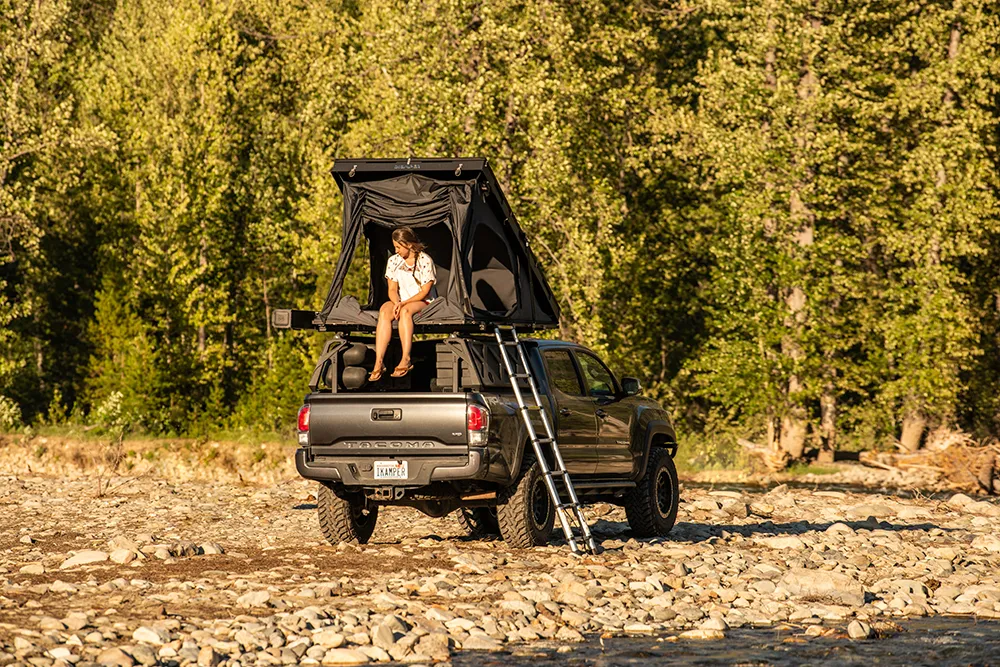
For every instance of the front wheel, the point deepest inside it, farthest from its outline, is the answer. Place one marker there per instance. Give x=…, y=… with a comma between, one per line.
x=524, y=510
x=651, y=507
x=350, y=520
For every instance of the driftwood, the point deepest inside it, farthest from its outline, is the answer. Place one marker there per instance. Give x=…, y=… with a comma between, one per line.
x=773, y=459
x=956, y=458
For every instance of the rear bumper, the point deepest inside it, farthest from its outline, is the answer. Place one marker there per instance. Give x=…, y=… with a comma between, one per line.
x=358, y=471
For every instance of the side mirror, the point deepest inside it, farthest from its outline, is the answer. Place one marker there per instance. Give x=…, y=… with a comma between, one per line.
x=631, y=386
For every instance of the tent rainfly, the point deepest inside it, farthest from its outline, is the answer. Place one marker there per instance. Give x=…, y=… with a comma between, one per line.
x=486, y=272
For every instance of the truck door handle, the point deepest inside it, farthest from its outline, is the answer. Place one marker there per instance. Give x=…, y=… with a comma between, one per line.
x=565, y=412
x=601, y=413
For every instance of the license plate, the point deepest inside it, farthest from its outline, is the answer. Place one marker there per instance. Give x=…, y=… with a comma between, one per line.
x=390, y=470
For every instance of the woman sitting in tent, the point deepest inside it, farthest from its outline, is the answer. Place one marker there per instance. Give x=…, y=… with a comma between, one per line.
x=411, y=276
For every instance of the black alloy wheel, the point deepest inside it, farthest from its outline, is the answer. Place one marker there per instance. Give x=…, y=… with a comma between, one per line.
x=524, y=510
x=651, y=507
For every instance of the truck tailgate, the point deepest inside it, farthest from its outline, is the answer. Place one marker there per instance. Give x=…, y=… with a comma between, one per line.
x=387, y=424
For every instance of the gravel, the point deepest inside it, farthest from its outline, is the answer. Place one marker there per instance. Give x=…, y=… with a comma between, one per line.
x=160, y=573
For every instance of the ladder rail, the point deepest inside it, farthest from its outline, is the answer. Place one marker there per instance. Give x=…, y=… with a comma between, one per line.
x=550, y=439
x=535, y=444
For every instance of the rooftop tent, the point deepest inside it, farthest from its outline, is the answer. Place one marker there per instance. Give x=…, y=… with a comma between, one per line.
x=486, y=273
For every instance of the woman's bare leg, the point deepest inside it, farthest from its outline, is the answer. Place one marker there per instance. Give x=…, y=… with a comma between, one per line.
x=383, y=333
x=406, y=314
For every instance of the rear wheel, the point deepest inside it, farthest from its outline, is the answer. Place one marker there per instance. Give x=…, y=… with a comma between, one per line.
x=479, y=522
x=524, y=510
x=351, y=519
x=651, y=507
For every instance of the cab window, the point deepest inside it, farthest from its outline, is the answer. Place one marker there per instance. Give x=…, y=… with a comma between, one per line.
x=597, y=379
x=562, y=372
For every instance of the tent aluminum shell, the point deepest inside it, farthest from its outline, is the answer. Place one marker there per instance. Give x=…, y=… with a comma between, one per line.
x=487, y=273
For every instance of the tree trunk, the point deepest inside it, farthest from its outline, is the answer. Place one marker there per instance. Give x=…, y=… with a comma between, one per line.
x=828, y=424
x=267, y=324
x=794, y=421
x=202, y=263
x=914, y=424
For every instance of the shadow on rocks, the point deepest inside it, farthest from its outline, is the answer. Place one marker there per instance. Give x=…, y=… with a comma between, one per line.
x=699, y=532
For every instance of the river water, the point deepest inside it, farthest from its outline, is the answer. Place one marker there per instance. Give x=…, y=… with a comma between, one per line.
x=927, y=641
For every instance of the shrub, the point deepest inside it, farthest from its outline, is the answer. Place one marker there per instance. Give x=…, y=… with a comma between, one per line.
x=10, y=415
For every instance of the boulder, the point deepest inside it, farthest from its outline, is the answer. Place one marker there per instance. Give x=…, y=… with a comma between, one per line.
x=84, y=558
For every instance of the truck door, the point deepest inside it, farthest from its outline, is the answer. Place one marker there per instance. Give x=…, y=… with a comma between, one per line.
x=614, y=449
x=575, y=413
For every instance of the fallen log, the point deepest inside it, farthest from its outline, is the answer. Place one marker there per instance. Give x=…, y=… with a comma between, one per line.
x=957, y=459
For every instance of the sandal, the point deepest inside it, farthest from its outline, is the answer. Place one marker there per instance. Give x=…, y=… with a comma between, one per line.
x=401, y=371
x=376, y=374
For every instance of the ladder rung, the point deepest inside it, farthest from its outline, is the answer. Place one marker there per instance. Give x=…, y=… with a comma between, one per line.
x=521, y=376
x=566, y=506
x=532, y=408
x=544, y=441
x=511, y=343
x=557, y=472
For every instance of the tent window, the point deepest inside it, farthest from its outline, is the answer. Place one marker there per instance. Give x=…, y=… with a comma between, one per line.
x=492, y=272
x=439, y=245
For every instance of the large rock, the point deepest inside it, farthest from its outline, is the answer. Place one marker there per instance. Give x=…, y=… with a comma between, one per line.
x=877, y=510
x=207, y=657
x=375, y=654
x=987, y=543
x=481, y=643
x=328, y=639
x=151, y=635
x=383, y=636
x=859, y=630
x=435, y=645
x=959, y=500
x=115, y=657
x=567, y=634
x=84, y=558
x=123, y=556
x=254, y=599
x=344, y=656
x=783, y=542
x=823, y=585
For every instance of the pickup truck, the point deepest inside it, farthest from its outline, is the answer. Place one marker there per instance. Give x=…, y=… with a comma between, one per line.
x=447, y=437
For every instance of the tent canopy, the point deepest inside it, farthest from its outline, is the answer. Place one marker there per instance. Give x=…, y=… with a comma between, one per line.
x=486, y=272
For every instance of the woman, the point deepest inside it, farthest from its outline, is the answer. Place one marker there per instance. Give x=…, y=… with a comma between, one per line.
x=411, y=276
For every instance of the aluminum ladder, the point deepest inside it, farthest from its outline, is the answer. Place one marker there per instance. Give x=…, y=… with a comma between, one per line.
x=568, y=512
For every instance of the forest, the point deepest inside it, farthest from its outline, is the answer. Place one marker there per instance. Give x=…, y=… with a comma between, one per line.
x=782, y=216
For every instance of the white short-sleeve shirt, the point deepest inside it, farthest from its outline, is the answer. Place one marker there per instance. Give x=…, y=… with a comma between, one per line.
x=412, y=278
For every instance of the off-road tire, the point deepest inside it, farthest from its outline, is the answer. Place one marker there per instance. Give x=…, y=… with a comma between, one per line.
x=651, y=507
x=479, y=522
x=350, y=520
x=524, y=510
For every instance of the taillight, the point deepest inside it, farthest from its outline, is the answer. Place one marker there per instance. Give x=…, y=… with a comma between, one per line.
x=478, y=424
x=304, y=419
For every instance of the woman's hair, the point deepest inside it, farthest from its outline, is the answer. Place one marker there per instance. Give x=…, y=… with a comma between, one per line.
x=406, y=236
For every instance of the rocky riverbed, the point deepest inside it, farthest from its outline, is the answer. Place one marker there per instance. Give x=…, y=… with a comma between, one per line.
x=152, y=572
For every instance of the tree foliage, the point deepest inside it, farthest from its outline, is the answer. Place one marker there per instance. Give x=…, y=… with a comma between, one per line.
x=782, y=216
